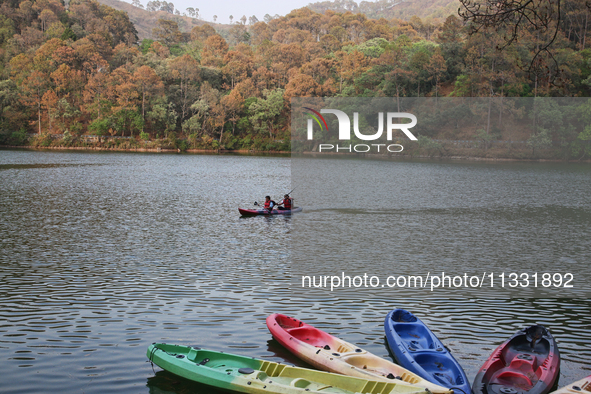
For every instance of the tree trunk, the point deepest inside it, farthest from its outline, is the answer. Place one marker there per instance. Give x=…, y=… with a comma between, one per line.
x=534, y=123
x=397, y=94
x=501, y=110
x=436, y=96
x=585, y=31
x=143, y=106
x=183, y=94
x=488, y=119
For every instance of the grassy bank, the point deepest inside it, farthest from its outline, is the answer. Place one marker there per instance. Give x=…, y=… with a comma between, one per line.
x=171, y=143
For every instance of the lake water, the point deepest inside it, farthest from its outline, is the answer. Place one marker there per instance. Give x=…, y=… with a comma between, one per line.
x=102, y=254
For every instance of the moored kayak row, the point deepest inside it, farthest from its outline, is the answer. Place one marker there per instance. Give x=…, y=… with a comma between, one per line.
x=527, y=363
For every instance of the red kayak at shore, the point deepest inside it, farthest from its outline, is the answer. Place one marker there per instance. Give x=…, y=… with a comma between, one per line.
x=254, y=212
x=527, y=363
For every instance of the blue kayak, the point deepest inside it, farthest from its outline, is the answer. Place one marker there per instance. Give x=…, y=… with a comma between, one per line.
x=417, y=349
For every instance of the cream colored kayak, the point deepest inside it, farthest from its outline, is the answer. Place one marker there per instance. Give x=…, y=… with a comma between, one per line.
x=332, y=354
x=582, y=386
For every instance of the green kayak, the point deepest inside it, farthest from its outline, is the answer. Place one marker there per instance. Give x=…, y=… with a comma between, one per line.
x=249, y=375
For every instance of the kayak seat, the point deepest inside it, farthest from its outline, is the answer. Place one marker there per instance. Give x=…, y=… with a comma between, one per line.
x=300, y=383
x=443, y=369
x=262, y=376
x=524, y=362
x=415, y=337
x=445, y=378
x=192, y=355
x=513, y=379
x=312, y=336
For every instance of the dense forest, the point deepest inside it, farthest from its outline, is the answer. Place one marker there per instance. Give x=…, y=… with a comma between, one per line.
x=77, y=68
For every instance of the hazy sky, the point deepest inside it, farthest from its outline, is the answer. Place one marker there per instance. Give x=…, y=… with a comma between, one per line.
x=224, y=8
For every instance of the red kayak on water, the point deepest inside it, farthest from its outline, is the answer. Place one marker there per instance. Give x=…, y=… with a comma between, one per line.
x=527, y=363
x=254, y=212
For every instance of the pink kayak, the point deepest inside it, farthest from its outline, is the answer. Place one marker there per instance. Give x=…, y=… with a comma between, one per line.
x=253, y=212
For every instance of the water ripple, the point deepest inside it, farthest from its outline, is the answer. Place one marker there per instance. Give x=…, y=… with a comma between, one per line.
x=110, y=252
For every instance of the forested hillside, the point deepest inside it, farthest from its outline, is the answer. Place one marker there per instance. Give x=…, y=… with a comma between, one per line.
x=80, y=69
x=401, y=9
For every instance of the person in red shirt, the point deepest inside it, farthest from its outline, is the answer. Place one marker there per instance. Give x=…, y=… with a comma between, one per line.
x=287, y=203
x=269, y=204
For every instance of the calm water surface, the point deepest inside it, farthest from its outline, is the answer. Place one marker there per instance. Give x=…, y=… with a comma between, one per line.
x=102, y=254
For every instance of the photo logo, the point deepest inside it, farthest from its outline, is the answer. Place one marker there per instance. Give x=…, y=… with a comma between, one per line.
x=345, y=124
x=345, y=130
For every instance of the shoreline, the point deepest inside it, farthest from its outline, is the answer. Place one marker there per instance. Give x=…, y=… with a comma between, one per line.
x=140, y=150
x=439, y=158
x=313, y=154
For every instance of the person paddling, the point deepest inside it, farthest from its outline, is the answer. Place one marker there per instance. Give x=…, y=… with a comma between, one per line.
x=269, y=204
x=287, y=203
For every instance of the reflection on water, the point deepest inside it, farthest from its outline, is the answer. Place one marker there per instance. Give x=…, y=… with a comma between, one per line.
x=110, y=252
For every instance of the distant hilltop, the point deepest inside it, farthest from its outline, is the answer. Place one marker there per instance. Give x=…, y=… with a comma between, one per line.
x=399, y=9
x=145, y=20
